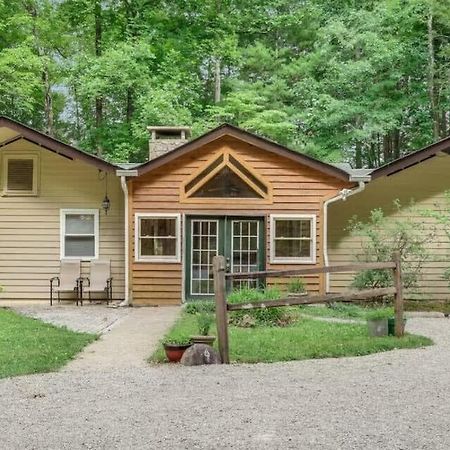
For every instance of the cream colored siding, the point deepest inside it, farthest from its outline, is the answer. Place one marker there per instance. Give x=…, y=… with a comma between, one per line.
x=30, y=226
x=425, y=183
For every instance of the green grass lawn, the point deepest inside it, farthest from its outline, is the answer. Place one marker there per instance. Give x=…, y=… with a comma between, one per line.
x=340, y=311
x=306, y=338
x=31, y=346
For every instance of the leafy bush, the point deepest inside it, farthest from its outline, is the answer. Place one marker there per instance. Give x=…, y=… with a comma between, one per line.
x=296, y=286
x=260, y=316
x=379, y=314
x=200, y=306
x=204, y=322
x=381, y=236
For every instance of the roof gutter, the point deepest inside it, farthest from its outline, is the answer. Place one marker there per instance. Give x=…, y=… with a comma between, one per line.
x=127, y=301
x=343, y=195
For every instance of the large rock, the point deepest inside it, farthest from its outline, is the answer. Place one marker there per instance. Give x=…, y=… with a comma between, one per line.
x=199, y=354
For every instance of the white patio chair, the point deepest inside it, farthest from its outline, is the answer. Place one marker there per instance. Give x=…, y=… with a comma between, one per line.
x=69, y=280
x=99, y=280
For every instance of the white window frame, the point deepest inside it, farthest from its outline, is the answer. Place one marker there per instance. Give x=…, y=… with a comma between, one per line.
x=22, y=155
x=163, y=259
x=63, y=214
x=294, y=260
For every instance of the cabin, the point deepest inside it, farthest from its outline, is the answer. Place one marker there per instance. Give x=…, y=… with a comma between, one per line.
x=231, y=193
x=421, y=177
x=52, y=207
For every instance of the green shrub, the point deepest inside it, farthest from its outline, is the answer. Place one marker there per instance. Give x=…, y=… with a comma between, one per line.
x=381, y=236
x=296, y=286
x=200, y=306
x=379, y=314
x=204, y=322
x=260, y=316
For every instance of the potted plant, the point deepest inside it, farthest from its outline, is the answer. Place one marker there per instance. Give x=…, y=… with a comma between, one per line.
x=377, y=322
x=204, y=322
x=175, y=347
x=296, y=287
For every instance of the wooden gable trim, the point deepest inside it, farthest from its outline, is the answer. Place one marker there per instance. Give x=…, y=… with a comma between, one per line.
x=412, y=159
x=252, y=139
x=52, y=144
x=185, y=197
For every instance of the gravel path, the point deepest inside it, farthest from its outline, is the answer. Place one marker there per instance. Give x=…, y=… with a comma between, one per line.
x=90, y=318
x=393, y=400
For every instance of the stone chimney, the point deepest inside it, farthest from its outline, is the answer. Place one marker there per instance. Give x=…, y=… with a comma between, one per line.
x=165, y=139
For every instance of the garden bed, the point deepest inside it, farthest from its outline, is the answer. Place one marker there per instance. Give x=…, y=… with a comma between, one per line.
x=32, y=346
x=304, y=338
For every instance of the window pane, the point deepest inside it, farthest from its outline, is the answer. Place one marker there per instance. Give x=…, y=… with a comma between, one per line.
x=81, y=246
x=80, y=224
x=292, y=248
x=158, y=247
x=158, y=227
x=20, y=174
x=292, y=228
x=226, y=184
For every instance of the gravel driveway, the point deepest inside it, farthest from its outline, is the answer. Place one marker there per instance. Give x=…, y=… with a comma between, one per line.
x=393, y=400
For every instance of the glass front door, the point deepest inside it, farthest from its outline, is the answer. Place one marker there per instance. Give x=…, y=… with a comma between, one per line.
x=240, y=240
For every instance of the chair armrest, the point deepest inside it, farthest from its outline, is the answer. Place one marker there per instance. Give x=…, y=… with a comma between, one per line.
x=81, y=280
x=53, y=279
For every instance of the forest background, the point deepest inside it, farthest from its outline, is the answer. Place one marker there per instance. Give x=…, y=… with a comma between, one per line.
x=342, y=80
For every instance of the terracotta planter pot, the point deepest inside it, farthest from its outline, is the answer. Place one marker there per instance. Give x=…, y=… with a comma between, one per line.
x=174, y=352
x=208, y=340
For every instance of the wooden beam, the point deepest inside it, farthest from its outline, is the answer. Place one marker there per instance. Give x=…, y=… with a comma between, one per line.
x=398, y=299
x=219, y=266
x=365, y=294
x=313, y=270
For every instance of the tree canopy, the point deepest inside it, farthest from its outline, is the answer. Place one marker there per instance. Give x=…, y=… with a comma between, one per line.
x=358, y=81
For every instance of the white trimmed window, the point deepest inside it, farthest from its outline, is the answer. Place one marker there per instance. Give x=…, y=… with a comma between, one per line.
x=20, y=174
x=293, y=239
x=157, y=237
x=79, y=233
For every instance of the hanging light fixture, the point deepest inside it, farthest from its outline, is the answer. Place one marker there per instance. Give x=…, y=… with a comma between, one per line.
x=106, y=203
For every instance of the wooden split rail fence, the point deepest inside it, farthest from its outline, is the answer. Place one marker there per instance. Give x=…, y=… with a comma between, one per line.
x=222, y=307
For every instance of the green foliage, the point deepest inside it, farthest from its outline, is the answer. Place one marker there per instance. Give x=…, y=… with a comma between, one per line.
x=204, y=322
x=259, y=316
x=305, y=339
x=441, y=214
x=31, y=346
x=296, y=286
x=200, y=306
x=177, y=340
x=381, y=236
x=339, y=80
x=379, y=314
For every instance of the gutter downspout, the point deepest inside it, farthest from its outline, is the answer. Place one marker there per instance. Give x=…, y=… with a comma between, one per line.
x=341, y=196
x=126, y=300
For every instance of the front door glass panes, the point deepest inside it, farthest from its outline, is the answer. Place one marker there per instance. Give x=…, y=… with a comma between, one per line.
x=204, y=248
x=245, y=248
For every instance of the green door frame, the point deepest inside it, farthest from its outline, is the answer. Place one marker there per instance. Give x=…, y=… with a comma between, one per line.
x=223, y=246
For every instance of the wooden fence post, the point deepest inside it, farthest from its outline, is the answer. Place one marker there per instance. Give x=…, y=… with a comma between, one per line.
x=398, y=300
x=219, y=265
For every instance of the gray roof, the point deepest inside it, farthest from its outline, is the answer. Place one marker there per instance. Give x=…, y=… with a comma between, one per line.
x=355, y=174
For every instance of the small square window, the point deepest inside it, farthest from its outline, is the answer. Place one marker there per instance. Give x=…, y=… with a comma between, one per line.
x=79, y=233
x=293, y=239
x=20, y=174
x=157, y=238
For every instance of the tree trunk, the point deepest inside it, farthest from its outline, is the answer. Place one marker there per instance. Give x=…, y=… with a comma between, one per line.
x=48, y=102
x=432, y=88
x=98, y=53
x=217, y=81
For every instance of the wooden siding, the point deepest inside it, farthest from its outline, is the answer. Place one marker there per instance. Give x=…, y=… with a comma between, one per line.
x=30, y=226
x=424, y=183
x=296, y=189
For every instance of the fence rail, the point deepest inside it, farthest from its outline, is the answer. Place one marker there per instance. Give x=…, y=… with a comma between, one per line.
x=222, y=307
